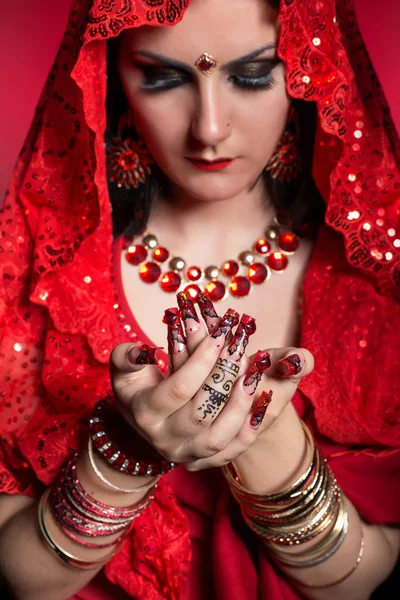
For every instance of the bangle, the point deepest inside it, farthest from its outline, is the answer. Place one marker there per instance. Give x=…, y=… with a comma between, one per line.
x=100, y=423
x=320, y=553
x=345, y=576
x=138, y=490
x=63, y=555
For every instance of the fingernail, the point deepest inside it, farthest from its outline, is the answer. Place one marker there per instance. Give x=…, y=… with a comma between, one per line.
x=291, y=365
x=143, y=355
x=207, y=310
x=260, y=409
x=176, y=336
x=245, y=329
x=261, y=362
x=224, y=328
x=188, y=312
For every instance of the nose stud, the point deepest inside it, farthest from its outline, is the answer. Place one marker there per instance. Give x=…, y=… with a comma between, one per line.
x=206, y=64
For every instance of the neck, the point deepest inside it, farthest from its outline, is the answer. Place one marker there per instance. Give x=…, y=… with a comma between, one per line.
x=211, y=231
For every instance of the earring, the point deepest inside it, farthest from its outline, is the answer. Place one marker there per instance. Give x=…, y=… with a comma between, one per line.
x=128, y=161
x=285, y=164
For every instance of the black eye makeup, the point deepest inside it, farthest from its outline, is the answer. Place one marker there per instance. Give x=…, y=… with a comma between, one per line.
x=255, y=75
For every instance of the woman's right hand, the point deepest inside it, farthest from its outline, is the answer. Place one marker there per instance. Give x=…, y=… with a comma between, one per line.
x=181, y=416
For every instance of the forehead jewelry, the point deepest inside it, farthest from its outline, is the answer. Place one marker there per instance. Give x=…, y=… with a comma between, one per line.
x=206, y=63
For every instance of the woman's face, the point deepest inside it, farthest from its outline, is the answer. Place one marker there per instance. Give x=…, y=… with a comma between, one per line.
x=237, y=112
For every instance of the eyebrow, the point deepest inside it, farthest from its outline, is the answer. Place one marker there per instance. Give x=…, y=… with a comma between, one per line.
x=180, y=65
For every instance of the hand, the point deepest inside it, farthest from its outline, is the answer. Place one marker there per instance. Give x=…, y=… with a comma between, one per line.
x=181, y=416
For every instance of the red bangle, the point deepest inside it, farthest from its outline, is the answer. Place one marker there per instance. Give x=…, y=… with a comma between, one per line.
x=112, y=453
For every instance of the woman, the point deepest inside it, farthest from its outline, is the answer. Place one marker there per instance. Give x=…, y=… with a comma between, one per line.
x=209, y=103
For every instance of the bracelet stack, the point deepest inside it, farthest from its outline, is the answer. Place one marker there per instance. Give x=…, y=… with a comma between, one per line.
x=312, y=505
x=105, y=445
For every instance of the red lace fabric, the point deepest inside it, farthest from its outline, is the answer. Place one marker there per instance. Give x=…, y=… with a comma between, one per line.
x=57, y=299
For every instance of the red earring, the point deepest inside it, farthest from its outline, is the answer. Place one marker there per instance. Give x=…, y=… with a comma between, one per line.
x=128, y=161
x=285, y=164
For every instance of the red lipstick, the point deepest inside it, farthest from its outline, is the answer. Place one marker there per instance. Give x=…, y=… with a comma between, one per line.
x=211, y=165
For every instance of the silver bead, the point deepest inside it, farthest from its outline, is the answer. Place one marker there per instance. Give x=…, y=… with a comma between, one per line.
x=150, y=241
x=124, y=465
x=115, y=456
x=271, y=234
x=97, y=435
x=137, y=467
x=212, y=272
x=246, y=258
x=177, y=263
x=149, y=470
x=94, y=420
x=104, y=447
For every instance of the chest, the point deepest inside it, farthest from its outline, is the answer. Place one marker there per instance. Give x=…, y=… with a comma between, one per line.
x=275, y=304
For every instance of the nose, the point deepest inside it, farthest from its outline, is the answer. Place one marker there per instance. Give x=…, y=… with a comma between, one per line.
x=210, y=124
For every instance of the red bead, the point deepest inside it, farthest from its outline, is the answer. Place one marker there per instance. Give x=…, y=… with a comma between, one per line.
x=193, y=290
x=131, y=466
x=194, y=273
x=277, y=261
x=110, y=451
x=170, y=282
x=257, y=273
x=136, y=255
x=216, y=290
x=230, y=268
x=288, y=242
x=150, y=272
x=161, y=255
x=119, y=461
x=99, y=442
x=239, y=286
x=142, y=468
x=262, y=246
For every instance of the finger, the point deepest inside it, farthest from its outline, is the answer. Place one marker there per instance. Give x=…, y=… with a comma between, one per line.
x=178, y=352
x=215, y=391
x=128, y=367
x=195, y=330
x=208, y=311
x=182, y=386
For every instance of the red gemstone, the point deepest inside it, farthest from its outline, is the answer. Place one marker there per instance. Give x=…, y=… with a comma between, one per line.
x=193, y=290
x=119, y=461
x=194, y=273
x=239, y=286
x=216, y=290
x=170, y=282
x=136, y=255
x=262, y=246
x=150, y=272
x=161, y=255
x=277, y=261
x=257, y=273
x=288, y=242
x=230, y=268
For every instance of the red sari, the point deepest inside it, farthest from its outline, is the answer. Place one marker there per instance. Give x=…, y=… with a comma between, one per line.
x=62, y=312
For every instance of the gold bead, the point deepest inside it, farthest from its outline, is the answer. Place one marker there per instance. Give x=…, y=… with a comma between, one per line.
x=177, y=263
x=150, y=241
x=246, y=258
x=271, y=234
x=212, y=272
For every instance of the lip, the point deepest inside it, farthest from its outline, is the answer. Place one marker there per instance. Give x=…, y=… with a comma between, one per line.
x=211, y=165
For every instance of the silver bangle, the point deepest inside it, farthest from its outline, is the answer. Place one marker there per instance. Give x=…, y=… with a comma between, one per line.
x=139, y=490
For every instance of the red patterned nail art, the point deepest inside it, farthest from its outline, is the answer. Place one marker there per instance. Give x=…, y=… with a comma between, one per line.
x=260, y=409
x=188, y=312
x=291, y=365
x=226, y=324
x=245, y=329
x=176, y=336
x=260, y=363
x=143, y=355
x=207, y=310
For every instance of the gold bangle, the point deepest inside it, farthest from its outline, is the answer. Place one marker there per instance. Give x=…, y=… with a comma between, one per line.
x=327, y=548
x=62, y=554
x=345, y=576
x=289, y=493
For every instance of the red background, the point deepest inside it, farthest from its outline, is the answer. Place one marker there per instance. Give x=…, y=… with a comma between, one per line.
x=32, y=31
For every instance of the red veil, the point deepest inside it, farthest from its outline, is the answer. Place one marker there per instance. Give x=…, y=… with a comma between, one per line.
x=57, y=291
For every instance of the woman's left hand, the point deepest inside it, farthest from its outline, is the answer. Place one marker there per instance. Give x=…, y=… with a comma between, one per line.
x=269, y=391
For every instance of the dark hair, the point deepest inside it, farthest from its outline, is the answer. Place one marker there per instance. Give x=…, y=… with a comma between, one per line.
x=298, y=203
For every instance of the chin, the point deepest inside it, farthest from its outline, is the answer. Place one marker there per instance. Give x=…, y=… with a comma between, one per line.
x=213, y=187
